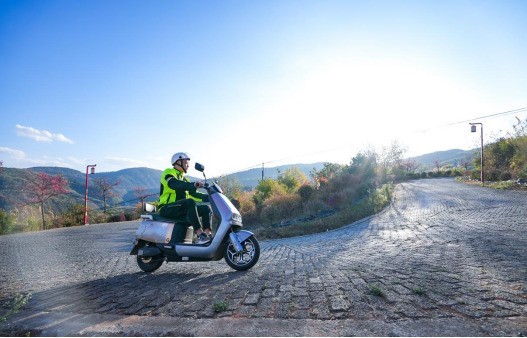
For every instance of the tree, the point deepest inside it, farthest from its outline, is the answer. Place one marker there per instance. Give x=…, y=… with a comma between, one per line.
x=437, y=165
x=410, y=166
x=519, y=141
x=105, y=189
x=292, y=179
x=43, y=188
x=232, y=188
x=142, y=194
x=267, y=188
x=391, y=160
x=363, y=168
x=322, y=176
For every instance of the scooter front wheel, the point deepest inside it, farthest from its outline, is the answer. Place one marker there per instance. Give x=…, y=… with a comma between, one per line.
x=149, y=264
x=245, y=259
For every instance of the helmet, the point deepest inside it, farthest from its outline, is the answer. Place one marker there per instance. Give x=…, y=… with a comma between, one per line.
x=180, y=156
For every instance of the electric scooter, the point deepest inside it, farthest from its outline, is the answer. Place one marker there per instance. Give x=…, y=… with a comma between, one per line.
x=158, y=239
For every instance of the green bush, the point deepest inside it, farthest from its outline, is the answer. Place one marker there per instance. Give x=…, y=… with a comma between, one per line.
x=7, y=222
x=305, y=192
x=72, y=217
x=475, y=174
x=493, y=175
x=505, y=176
x=280, y=207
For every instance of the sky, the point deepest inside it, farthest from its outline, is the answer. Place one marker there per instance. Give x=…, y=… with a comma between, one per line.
x=124, y=84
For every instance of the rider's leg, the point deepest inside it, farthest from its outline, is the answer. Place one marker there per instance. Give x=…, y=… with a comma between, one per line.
x=184, y=209
x=205, y=213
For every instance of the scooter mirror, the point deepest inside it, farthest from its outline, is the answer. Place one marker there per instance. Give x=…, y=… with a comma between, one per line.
x=199, y=167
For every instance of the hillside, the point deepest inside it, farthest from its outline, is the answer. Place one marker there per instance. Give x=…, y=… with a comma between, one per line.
x=130, y=179
x=453, y=157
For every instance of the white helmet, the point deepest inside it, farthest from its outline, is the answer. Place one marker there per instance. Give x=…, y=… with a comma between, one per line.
x=180, y=156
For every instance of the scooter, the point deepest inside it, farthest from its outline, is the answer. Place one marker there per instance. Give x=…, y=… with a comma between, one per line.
x=158, y=240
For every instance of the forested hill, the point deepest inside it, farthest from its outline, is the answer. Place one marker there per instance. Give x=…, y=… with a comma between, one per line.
x=128, y=180
x=13, y=180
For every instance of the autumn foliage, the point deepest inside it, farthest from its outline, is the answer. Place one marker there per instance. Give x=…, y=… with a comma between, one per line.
x=43, y=188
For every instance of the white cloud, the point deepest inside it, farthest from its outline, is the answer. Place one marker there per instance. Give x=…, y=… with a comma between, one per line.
x=14, y=153
x=41, y=135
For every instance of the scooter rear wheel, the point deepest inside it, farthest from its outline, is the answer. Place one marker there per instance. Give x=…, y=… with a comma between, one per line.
x=245, y=259
x=149, y=264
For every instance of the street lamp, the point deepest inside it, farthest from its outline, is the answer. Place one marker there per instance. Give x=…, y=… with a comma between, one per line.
x=473, y=129
x=92, y=171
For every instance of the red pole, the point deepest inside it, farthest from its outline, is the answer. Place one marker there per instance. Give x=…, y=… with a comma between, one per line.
x=86, y=193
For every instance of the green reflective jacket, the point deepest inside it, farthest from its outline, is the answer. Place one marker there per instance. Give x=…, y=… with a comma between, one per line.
x=175, y=186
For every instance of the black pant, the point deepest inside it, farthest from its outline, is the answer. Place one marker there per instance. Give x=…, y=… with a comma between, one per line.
x=187, y=210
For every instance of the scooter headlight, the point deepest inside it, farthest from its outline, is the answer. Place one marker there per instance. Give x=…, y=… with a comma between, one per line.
x=236, y=218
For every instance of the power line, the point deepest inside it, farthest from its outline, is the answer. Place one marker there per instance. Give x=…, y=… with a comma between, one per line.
x=509, y=112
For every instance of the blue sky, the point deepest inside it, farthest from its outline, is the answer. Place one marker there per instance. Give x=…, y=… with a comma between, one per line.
x=236, y=83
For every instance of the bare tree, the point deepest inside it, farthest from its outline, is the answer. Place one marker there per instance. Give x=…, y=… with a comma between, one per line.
x=43, y=188
x=437, y=165
x=391, y=159
x=410, y=166
x=142, y=194
x=105, y=189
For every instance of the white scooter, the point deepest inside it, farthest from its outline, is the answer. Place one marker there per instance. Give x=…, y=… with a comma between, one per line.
x=159, y=239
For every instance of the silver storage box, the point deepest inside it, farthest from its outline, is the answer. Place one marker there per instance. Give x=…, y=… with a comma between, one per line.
x=156, y=232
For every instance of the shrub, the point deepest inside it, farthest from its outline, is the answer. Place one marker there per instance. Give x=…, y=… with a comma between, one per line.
x=280, y=207
x=72, y=217
x=305, y=192
x=6, y=222
x=523, y=173
x=267, y=188
x=493, y=175
x=505, y=176
x=292, y=179
x=475, y=174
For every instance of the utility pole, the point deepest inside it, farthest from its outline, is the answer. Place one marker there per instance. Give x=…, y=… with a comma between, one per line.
x=473, y=129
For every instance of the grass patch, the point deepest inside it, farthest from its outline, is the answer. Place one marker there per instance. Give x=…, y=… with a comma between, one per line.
x=15, y=305
x=220, y=306
x=418, y=291
x=376, y=291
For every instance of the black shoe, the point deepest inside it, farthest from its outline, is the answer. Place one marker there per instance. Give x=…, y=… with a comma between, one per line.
x=203, y=238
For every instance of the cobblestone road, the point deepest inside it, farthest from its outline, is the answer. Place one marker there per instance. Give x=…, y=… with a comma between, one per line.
x=444, y=259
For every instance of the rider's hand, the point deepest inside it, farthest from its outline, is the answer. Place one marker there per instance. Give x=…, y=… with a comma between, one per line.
x=198, y=184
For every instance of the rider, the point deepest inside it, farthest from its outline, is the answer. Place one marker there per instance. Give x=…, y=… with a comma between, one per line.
x=178, y=197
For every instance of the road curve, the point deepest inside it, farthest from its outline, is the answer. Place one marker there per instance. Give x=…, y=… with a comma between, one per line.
x=444, y=259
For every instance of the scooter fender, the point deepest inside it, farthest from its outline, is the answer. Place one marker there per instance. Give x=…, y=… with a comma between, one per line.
x=239, y=237
x=243, y=235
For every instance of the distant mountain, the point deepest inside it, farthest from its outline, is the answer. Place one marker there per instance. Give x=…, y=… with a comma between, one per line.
x=12, y=179
x=452, y=157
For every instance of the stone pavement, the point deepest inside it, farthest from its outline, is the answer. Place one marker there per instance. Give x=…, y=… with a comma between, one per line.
x=445, y=259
